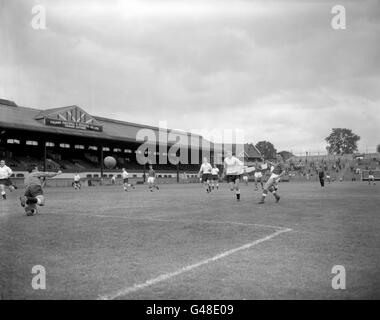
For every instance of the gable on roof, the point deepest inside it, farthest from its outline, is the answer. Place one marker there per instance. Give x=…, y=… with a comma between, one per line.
x=251, y=151
x=8, y=103
x=70, y=114
x=249, y=155
x=72, y=117
x=242, y=154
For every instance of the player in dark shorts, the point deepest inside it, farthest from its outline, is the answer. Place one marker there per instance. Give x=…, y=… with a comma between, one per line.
x=126, y=184
x=5, y=181
x=321, y=176
x=34, y=194
x=205, y=173
x=233, y=168
x=215, y=177
x=76, y=183
x=371, y=177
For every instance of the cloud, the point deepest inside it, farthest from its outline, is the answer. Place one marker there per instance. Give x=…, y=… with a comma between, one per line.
x=275, y=69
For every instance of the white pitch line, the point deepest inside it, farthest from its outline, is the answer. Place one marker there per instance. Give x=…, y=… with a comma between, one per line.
x=247, y=224
x=220, y=222
x=167, y=276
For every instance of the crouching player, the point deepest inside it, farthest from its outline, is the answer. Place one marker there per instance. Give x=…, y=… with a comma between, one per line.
x=33, y=195
x=277, y=172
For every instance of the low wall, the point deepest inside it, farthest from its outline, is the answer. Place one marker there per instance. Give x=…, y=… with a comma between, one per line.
x=88, y=182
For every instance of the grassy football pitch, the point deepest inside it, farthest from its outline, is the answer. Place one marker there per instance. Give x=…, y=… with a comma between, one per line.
x=181, y=243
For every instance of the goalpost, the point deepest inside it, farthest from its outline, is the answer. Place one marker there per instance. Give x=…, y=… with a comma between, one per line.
x=364, y=175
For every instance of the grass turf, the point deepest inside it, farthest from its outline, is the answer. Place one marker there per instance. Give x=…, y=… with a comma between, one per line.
x=99, y=240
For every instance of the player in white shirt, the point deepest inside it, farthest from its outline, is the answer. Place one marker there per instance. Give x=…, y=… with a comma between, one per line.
x=233, y=168
x=205, y=174
x=126, y=184
x=371, y=177
x=215, y=177
x=76, y=184
x=328, y=176
x=5, y=181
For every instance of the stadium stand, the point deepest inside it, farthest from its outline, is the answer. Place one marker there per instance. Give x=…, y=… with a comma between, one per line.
x=72, y=140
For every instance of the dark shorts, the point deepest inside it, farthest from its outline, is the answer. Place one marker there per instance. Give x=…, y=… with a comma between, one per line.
x=232, y=177
x=33, y=191
x=206, y=176
x=6, y=182
x=125, y=180
x=215, y=177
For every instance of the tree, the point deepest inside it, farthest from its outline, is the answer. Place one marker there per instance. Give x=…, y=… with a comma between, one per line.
x=286, y=155
x=266, y=149
x=378, y=148
x=341, y=141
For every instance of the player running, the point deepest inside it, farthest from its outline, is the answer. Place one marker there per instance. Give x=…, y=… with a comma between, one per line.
x=33, y=195
x=233, y=168
x=5, y=181
x=277, y=172
x=76, y=183
x=321, y=176
x=245, y=177
x=215, y=177
x=152, y=179
x=258, y=176
x=126, y=184
x=371, y=177
x=328, y=177
x=205, y=174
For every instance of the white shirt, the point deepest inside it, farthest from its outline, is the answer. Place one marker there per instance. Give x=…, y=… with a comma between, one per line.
x=214, y=171
x=5, y=172
x=205, y=168
x=77, y=177
x=124, y=174
x=233, y=166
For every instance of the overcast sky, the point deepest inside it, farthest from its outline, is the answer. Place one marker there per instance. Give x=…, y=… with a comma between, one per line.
x=276, y=70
